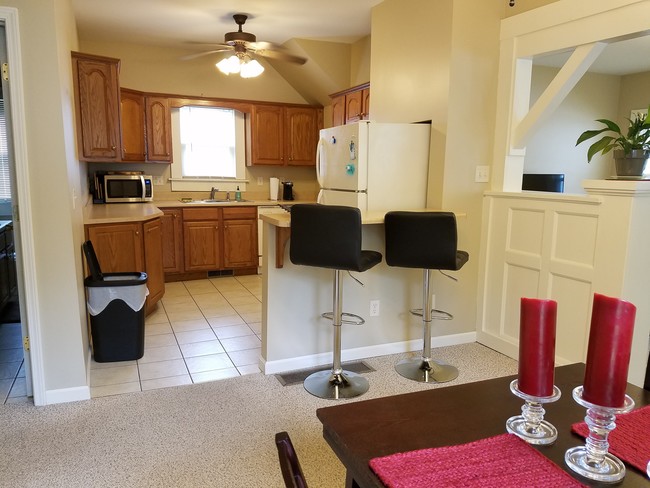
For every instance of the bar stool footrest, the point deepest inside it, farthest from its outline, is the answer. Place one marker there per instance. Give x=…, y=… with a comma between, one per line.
x=358, y=320
x=435, y=314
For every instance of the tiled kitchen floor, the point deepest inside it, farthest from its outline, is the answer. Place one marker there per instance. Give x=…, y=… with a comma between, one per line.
x=202, y=330
x=12, y=369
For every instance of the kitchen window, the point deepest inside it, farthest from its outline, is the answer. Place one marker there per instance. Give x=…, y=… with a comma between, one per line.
x=209, y=142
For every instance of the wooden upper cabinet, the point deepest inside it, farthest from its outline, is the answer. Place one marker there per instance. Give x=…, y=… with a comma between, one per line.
x=338, y=111
x=267, y=127
x=97, y=93
x=158, y=129
x=351, y=105
x=284, y=135
x=133, y=135
x=302, y=129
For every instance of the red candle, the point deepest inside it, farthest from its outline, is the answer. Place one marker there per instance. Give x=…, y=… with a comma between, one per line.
x=537, y=347
x=608, y=354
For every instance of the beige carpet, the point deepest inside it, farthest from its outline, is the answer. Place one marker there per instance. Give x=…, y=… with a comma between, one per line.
x=218, y=434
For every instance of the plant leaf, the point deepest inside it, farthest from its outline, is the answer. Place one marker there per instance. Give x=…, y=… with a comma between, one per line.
x=610, y=125
x=588, y=134
x=603, y=145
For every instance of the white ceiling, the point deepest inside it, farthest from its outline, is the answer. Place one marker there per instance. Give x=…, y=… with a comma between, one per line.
x=178, y=23
x=619, y=58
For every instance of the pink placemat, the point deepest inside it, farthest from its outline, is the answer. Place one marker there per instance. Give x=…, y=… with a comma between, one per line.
x=630, y=440
x=503, y=461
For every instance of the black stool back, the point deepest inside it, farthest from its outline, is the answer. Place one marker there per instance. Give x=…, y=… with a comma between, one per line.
x=425, y=240
x=329, y=236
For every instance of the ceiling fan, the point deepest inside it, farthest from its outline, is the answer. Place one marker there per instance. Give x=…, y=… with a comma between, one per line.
x=244, y=44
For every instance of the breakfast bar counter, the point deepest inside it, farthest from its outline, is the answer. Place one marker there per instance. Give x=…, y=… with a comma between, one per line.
x=295, y=336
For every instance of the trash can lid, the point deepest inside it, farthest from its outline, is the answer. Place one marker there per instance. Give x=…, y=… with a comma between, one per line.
x=117, y=279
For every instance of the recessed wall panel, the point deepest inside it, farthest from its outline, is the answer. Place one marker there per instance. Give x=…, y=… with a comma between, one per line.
x=525, y=231
x=575, y=238
x=520, y=282
x=572, y=317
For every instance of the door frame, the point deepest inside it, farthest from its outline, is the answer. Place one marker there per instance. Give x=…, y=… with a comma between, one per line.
x=28, y=293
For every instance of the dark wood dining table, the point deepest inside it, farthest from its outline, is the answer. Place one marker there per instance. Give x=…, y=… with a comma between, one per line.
x=445, y=416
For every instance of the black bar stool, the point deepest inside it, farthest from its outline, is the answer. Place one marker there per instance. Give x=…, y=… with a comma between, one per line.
x=329, y=236
x=425, y=240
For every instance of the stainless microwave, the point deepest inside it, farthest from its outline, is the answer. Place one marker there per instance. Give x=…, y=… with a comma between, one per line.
x=123, y=188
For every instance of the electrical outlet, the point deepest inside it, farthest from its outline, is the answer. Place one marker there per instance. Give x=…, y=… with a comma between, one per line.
x=482, y=174
x=374, y=308
x=260, y=181
x=158, y=180
x=433, y=301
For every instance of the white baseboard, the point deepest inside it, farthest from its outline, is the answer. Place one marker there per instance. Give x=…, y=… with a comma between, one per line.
x=65, y=395
x=305, y=362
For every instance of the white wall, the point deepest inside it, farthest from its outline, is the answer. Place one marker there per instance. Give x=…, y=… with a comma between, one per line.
x=47, y=36
x=552, y=148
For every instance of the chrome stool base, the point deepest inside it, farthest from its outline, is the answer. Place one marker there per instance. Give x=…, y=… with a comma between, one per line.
x=426, y=370
x=332, y=386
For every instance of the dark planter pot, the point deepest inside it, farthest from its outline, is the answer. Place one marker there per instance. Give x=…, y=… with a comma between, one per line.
x=632, y=164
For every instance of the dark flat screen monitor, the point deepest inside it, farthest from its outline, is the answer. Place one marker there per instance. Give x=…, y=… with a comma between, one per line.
x=543, y=182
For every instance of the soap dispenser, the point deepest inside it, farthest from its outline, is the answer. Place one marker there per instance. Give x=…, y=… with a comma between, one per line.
x=238, y=194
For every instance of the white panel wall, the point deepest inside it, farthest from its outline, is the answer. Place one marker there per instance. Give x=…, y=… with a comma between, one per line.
x=566, y=248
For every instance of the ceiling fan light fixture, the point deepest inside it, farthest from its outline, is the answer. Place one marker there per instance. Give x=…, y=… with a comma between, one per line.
x=250, y=68
x=229, y=65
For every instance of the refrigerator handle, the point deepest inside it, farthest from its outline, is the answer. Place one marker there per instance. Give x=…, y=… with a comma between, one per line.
x=319, y=148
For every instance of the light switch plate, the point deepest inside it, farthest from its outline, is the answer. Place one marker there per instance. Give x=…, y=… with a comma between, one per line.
x=482, y=174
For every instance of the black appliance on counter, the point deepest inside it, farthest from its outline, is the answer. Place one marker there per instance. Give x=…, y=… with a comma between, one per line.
x=287, y=190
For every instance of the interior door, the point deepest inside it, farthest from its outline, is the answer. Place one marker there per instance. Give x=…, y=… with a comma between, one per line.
x=6, y=144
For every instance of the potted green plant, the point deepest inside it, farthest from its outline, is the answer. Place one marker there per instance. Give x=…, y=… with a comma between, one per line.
x=631, y=150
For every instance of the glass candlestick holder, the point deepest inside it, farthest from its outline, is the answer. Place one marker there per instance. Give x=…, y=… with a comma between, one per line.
x=592, y=460
x=530, y=425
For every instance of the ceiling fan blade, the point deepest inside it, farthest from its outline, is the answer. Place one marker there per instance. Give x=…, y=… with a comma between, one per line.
x=204, y=53
x=281, y=56
x=264, y=45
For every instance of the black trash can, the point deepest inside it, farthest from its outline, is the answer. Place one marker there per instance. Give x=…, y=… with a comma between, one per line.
x=115, y=302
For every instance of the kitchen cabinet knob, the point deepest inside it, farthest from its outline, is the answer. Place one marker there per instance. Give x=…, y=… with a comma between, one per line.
x=137, y=232
x=113, y=148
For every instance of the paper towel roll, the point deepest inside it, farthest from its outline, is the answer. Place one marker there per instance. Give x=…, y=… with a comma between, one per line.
x=275, y=185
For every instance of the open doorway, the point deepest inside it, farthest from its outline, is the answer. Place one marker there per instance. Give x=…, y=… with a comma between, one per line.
x=15, y=374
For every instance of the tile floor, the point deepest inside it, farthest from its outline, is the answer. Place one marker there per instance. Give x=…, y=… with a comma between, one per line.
x=202, y=330
x=12, y=369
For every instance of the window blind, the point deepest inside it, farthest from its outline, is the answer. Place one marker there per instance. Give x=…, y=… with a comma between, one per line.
x=5, y=177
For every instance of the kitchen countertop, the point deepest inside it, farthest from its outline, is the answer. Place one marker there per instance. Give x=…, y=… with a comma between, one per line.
x=372, y=217
x=139, y=212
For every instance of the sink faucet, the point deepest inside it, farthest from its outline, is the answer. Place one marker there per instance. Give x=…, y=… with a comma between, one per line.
x=227, y=196
x=213, y=192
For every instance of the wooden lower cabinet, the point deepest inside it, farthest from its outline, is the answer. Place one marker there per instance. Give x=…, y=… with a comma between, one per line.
x=201, y=239
x=172, y=240
x=202, y=243
x=152, y=241
x=131, y=247
x=240, y=237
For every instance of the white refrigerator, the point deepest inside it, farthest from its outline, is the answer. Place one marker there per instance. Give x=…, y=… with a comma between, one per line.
x=374, y=166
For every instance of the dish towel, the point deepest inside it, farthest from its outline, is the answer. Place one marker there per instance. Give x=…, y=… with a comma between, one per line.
x=630, y=440
x=503, y=461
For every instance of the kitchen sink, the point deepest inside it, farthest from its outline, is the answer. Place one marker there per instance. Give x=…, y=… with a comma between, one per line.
x=210, y=200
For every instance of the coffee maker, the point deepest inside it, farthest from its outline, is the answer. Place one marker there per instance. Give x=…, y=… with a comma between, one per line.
x=287, y=190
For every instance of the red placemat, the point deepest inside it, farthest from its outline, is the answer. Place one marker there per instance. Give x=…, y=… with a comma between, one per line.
x=630, y=440
x=503, y=461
